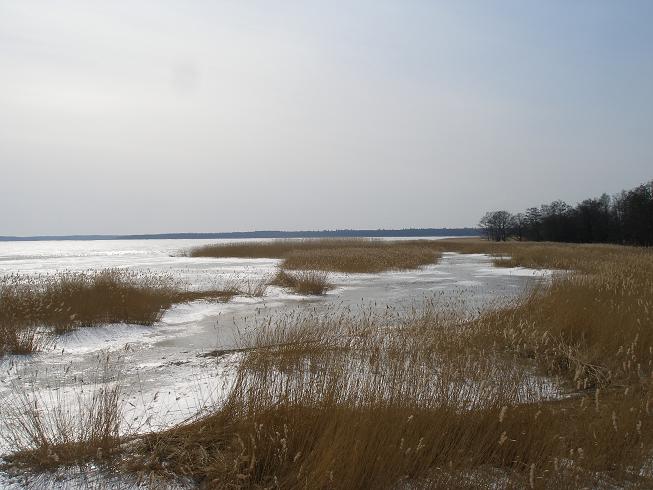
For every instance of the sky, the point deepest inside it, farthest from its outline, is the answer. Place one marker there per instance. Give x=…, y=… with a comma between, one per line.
x=167, y=116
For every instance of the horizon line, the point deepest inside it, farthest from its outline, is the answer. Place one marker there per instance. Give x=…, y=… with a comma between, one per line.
x=339, y=232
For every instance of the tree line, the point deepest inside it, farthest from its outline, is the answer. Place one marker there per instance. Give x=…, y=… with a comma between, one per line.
x=625, y=218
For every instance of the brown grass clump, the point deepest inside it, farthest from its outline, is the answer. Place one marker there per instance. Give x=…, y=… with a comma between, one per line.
x=305, y=282
x=69, y=300
x=254, y=288
x=336, y=255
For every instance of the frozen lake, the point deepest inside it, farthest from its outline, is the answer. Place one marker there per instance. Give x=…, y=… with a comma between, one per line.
x=166, y=372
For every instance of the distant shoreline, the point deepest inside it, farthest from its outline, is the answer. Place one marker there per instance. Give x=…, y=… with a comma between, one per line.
x=381, y=233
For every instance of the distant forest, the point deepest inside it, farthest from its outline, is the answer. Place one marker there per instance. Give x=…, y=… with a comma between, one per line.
x=625, y=218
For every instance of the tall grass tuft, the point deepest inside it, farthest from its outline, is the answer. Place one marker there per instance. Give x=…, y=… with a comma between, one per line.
x=306, y=282
x=46, y=430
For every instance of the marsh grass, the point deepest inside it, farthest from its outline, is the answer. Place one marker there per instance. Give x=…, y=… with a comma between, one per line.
x=334, y=255
x=255, y=288
x=593, y=323
x=305, y=282
x=552, y=391
x=372, y=401
x=432, y=400
x=69, y=300
x=48, y=430
x=243, y=285
x=546, y=255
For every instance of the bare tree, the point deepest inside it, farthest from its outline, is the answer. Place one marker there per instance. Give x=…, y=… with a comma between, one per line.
x=496, y=225
x=518, y=225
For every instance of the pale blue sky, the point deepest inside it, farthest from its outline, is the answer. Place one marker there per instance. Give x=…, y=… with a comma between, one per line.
x=137, y=117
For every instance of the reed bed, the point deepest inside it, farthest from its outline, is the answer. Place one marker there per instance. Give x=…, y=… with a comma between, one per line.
x=305, y=282
x=277, y=249
x=68, y=300
x=552, y=391
x=334, y=255
x=545, y=255
x=419, y=400
x=48, y=431
x=438, y=401
x=594, y=325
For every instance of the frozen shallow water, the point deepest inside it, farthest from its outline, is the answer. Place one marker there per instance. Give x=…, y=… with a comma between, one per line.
x=166, y=374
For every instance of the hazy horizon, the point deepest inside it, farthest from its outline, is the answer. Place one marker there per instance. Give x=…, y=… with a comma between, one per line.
x=160, y=117
x=237, y=234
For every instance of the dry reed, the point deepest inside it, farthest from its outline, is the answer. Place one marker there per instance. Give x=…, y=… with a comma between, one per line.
x=551, y=392
x=62, y=302
x=47, y=431
x=431, y=401
x=336, y=255
x=305, y=282
x=374, y=401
